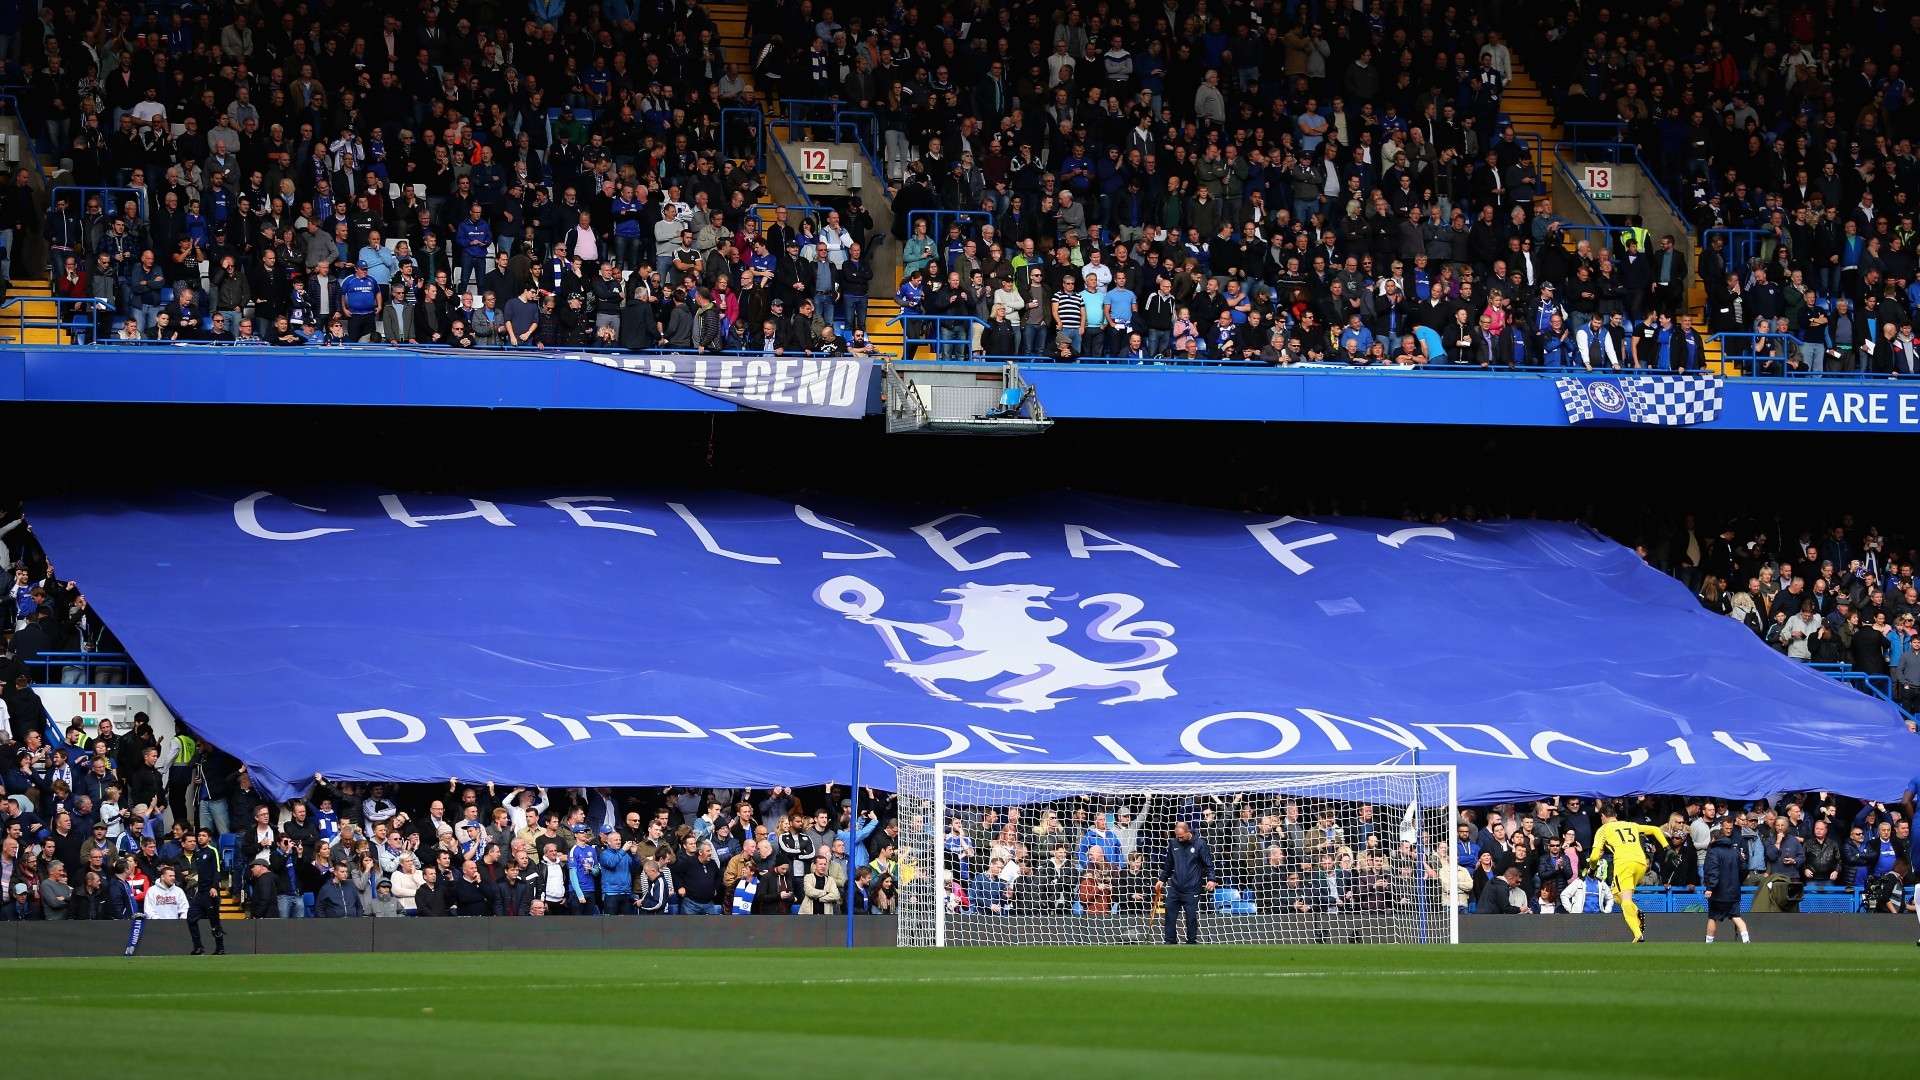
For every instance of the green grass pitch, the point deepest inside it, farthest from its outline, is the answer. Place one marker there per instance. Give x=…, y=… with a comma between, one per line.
x=1188, y=1014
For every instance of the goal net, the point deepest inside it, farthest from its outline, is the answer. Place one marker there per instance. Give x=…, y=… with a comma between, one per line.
x=1072, y=855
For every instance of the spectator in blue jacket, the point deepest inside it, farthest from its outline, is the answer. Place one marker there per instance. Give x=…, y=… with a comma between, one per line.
x=1099, y=836
x=583, y=871
x=473, y=237
x=1466, y=850
x=616, y=875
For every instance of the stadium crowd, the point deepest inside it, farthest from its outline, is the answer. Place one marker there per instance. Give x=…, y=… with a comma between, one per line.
x=1246, y=182
x=1790, y=122
x=81, y=809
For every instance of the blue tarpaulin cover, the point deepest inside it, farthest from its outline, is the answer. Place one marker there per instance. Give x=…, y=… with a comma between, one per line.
x=702, y=637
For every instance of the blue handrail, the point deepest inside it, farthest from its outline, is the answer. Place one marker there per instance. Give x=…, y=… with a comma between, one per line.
x=28, y=137
x=139, y=197
x=1579, y=189
x=1613, y=128
x=837, y=118
x=65, y=319
x=949, y=336
x=1743, y=246
x=50, y=667
x=937, y=222
x=1880, y=686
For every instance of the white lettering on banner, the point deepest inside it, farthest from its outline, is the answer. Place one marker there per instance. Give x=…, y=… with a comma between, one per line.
x=1748, y=750
x=729, y=371
x=1112, y=746
x=482, y=509
x=1283, y=552
x=585, y=519
x=782, y=379
x=999, y=740
x=1395, y=539
x=413, y=729
x=948, y=548
x=1078, y=548
x=740, y=736
x=863, y=734
x=676, y=727
x=1542, y=746
x=1081, y=541
x=1773, y=406
x=813, y=382
x=707, y=541
x=759, y=384
x=846, y=380
x=373, y=731
x=808, y=517
x=248, y=519
x=1860, y=408
x=1386, y=729
x=466, y=729
x=1190, y=738
x=1438, y=731
x=660, y=367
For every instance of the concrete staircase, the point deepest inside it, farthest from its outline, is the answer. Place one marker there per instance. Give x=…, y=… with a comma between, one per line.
x=1532, y=116
x=1529, y=109
x=12, y=332
x=735, y=46
x=885, y=336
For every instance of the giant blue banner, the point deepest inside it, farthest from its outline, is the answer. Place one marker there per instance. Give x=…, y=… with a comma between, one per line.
x=610, y=637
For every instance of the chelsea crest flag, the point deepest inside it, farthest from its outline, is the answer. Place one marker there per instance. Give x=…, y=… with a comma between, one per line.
x=1662, y=400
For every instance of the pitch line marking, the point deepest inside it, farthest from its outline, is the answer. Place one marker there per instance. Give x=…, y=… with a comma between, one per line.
x=932, y=980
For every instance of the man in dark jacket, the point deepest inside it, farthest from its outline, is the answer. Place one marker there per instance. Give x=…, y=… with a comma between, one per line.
x=200, y=863
x=1823, y=857
x=1497, y=897
x=433, y=898
x=1186, y=871
x=338, y=899
x=263, y=892
x=1722, y=873
x=467, y=894
x=144, y=787
x=513, y=895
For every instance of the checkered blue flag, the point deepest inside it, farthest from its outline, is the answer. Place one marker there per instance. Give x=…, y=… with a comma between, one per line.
x=1573, y=397
x=1673, y=400
x=1660, y=400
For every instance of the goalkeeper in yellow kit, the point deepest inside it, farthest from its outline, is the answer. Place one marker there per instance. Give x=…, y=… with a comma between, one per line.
x=1621, y=839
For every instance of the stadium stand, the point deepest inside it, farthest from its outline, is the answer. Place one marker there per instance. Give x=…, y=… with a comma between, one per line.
x=1234, y=183
x=88, y=800
x=1248, y=184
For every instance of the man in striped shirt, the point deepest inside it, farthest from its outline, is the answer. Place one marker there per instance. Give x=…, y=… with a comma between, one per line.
x=1070, y=311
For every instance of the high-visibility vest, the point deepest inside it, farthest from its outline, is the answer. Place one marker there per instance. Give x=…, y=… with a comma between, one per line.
x=185, y=749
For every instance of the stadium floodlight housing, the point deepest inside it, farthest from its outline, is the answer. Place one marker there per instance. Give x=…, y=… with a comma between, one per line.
x=1024, y=866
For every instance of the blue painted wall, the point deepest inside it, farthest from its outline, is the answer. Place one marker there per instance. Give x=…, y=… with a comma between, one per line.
x=500, y=379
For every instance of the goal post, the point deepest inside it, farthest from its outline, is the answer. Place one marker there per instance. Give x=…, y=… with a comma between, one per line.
x=1072, y=854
